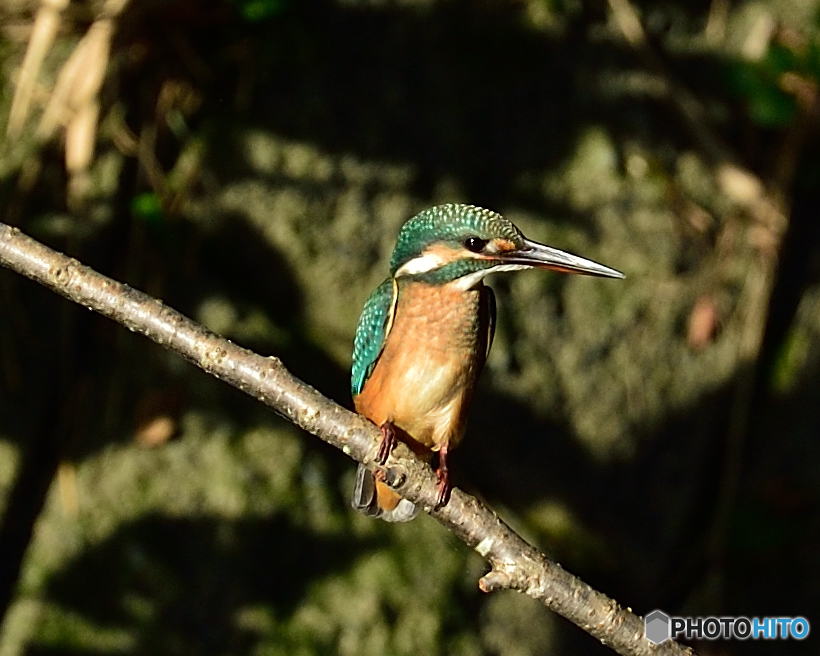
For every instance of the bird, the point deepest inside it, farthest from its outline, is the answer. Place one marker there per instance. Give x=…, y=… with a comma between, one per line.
x=424, y=335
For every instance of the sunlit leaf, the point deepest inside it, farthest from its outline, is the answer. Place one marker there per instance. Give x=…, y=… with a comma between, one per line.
x=147, y=206
x=258, y=10
x=771, y=107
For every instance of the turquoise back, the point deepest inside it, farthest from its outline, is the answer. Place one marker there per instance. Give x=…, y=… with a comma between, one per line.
x=370, y=335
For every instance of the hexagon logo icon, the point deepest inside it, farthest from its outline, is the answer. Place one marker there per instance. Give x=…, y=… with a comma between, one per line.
x=657, y=627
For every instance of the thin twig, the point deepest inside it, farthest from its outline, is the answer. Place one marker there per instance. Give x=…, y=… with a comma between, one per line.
x=515, y=563
x=46, y=24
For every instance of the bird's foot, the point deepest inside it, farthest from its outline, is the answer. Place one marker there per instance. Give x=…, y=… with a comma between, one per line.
x=443, y=477
x=387, y=443
x=443, y=495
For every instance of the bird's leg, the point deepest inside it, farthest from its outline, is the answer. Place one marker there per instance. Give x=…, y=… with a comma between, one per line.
x=443, y=476
x=387, y=443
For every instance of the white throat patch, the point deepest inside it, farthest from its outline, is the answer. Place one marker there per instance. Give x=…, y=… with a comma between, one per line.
x=472, y=279
x=421, y=264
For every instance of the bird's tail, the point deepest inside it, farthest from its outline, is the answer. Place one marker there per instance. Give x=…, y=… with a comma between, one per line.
x=375, y=499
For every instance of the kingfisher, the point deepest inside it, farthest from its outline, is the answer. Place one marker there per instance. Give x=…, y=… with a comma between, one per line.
x=425, y=333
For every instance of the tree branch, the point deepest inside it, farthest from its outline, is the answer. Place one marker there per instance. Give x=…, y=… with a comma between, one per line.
x=515, y=563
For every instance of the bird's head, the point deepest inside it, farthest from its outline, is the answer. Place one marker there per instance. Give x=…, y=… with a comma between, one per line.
x=464, y=243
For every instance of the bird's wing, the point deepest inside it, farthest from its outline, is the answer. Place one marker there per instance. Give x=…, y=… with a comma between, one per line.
x=374, y=326
x=488, y=308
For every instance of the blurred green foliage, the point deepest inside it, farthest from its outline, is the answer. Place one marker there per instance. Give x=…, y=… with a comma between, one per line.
x=758, y=83
x=148, y=207
x=258, y=10
x=762, y=83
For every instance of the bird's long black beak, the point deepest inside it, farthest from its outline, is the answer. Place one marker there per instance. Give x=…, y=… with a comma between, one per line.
x=538, y=255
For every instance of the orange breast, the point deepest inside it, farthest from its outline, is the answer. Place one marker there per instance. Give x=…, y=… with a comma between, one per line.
x=425, y=376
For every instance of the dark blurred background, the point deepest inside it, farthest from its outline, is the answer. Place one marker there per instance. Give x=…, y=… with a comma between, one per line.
x=251, y=161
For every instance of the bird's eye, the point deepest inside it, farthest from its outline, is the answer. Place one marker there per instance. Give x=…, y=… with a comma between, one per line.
x=475, y=244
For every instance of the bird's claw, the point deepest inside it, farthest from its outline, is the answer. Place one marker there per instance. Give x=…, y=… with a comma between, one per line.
x=387, y=443
x=443, y=478
x=443, y=495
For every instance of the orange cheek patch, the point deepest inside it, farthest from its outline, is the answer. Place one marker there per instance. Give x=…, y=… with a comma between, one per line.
x=503, y=245
x=443, y=254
